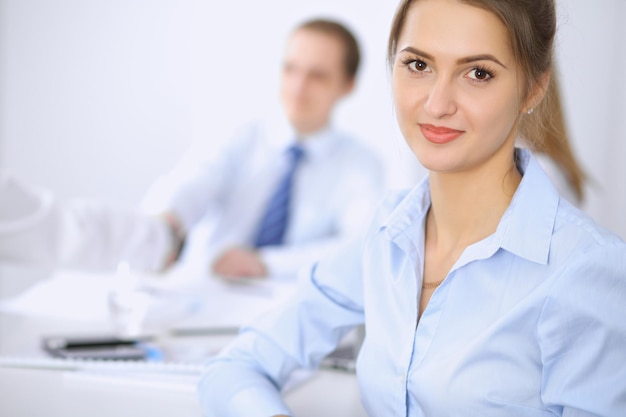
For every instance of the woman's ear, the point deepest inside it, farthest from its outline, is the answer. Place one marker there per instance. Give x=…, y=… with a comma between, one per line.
x=538, y=92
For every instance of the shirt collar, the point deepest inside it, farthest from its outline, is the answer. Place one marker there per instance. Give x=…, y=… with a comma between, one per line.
x=317, y=144
x=281, y=135
x=525, y=228
x=527, y=225
x=405, y=224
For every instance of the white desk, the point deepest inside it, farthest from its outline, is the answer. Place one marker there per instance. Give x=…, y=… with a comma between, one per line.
x=63, y=393
x=32, y=393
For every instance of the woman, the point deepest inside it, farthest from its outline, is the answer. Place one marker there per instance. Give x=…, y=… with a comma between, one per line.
x=483, y=293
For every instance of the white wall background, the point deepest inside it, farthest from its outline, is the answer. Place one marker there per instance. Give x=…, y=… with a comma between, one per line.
x=592, y=58
x=97, y=98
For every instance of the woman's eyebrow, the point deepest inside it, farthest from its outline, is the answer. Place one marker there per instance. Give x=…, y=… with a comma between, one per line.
x=418, y=52
x=483, y=57
x=465, y=60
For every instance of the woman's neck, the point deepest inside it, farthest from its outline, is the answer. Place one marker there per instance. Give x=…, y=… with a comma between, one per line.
x=467, y=207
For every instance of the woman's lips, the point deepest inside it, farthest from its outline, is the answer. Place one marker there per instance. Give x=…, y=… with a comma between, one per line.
x=439, y=134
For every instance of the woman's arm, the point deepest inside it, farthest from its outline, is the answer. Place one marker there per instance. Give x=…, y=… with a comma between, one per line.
x=247, y=377
x=582, y=335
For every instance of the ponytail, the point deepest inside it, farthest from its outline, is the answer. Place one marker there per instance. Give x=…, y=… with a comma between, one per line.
x=544, y=131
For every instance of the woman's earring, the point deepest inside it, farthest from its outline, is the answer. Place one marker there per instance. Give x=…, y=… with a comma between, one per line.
x=530, y=111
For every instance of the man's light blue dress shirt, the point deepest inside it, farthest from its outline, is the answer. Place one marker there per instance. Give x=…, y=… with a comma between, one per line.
x=224, y=194
x=530, y=321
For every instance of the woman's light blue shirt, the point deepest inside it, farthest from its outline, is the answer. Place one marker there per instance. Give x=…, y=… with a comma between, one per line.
x=530, y=321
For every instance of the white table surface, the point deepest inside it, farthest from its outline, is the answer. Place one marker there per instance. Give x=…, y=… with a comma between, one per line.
x=31, y=392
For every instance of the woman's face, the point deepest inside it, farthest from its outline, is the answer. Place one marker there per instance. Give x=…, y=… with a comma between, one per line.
x=456, y=86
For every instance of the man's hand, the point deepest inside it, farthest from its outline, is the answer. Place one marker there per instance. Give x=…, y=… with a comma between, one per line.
x=239, y=263
x=177, y=232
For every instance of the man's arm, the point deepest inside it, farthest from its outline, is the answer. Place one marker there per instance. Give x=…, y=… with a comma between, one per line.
x=38, y=229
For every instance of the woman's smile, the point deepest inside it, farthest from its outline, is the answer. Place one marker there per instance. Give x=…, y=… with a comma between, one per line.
x=439, y=134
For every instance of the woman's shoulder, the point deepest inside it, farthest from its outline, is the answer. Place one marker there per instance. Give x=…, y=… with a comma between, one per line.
x=572, y=221
x=578, y=240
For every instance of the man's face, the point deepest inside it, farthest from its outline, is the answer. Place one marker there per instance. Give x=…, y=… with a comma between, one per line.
x=313, y=79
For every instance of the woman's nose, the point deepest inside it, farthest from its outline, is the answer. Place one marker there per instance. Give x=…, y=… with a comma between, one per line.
x=441, y=100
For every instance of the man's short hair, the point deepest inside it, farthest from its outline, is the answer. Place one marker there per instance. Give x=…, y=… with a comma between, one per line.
x=352, y=56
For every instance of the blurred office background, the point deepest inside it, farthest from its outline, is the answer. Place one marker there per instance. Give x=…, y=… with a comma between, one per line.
x=98, y=98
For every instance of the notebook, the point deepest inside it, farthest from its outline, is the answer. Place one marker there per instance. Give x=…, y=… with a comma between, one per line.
x=100, y=365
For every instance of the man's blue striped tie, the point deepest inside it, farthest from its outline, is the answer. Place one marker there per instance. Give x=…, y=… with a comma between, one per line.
x=274, y=223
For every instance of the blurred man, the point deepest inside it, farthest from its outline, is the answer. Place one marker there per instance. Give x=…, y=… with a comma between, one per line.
x=284, y=194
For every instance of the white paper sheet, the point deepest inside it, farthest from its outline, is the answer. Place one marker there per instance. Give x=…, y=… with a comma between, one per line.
x=66, y=296
x=177, y=299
